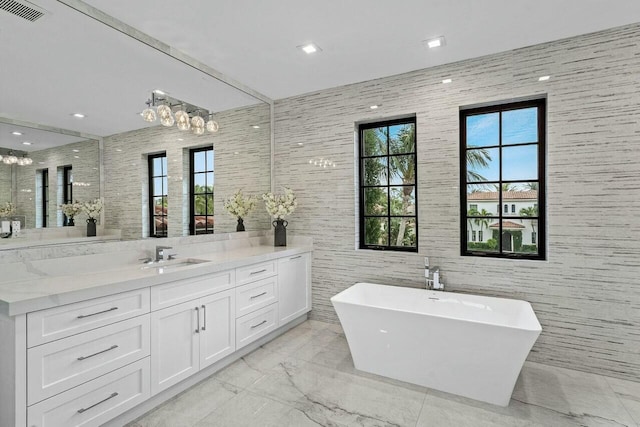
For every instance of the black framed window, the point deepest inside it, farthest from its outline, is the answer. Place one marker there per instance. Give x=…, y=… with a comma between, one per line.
x=388, y=191
x=502, y=162
x=67, y=187
x=201, y=194
x=42, y=197
x=158, y=195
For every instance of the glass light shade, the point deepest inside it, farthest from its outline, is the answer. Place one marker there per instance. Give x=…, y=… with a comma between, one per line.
x=182, y=120
x=10, y=159
x=0, y=158
x=148, y=115
x=212, y=126
x=167, y=120
x=164, y=111
x=28, y=161
x=197, y=125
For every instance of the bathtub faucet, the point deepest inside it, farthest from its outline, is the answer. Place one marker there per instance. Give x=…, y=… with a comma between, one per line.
x=433, y=279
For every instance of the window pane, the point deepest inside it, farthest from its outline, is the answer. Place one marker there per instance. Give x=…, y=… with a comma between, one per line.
x=519, y=126
x=375, y=171
x=160, y=205
x=200, y=204
x=157, y=186
x=210, y=180
x=209, y=159
x=520, y=163
x=483, y=164
x=483, y=130
x=375, y=141
x=199, y=181
x=375, y=231
x=157, y=166
x=375, y=201
x=199, y=161
x=402, y=139
x=209, y=198
x=403, y=232
x=402, y=169
x=403, y=200
x=524, y=196
x=486, y=237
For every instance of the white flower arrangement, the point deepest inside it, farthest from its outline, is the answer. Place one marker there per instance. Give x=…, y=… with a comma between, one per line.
x=71, y=209
x=238, y=205
x=92, y=208
x=280, y=205
x=8, y=209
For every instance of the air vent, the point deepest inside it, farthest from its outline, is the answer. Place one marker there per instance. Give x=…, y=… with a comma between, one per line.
x=23, y=9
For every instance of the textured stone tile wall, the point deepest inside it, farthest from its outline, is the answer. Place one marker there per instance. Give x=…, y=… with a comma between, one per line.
x=242, y=160
x=587, y=293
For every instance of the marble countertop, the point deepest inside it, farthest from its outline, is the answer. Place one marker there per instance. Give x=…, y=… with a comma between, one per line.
x=38, y=285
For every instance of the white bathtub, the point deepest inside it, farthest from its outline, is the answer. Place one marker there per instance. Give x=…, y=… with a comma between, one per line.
x=468, y=345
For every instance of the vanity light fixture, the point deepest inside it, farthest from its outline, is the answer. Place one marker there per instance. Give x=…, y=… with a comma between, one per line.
x=544, y=78
x=446, y=81
x=435, y=42
x=172, y=111
x=10, y=159
x=16, y=133
x=310, y=48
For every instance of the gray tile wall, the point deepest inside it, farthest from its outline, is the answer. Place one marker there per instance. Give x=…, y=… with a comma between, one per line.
x=587, y=294
x=126, y=181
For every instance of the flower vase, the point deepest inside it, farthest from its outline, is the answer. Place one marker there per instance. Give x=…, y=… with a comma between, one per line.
x=70, y=222
x=240, y=226
x=91, y=227
x=280, y=234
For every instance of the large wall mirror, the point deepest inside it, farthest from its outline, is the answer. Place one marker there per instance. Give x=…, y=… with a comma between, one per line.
x=79, y=65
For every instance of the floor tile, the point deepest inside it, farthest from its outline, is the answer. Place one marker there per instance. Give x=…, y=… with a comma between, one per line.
x=340, y=399
x=629, y=394
x=250, y=368
x=586, y=397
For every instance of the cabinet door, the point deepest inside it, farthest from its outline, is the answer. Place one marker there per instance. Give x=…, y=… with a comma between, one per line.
x=217, y=327
x=294, y=287
x=175, y=344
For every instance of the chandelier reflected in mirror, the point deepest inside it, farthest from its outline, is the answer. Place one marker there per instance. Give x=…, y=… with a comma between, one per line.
x=185, y=116
x=9, y=158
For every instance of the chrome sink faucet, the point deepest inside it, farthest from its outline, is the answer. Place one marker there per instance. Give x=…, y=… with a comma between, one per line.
x=162, y=253
x=432, y=276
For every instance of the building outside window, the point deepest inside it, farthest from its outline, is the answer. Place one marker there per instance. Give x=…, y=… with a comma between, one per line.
x=201, y=193
x=387, y=166
x=158, y=195
x=502, y=163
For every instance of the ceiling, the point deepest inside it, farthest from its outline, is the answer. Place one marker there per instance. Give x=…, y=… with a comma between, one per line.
x=66, y=62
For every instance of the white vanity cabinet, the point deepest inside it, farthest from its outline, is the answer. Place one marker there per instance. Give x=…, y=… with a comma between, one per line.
x=190, y=336
x=294, y=286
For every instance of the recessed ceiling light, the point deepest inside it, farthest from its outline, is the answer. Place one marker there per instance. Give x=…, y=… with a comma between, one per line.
x=445, y=81
x=300, y=144
x=79, y=115
x=180, y=139
x=435, y=42
x=16, y=133
x=310, y=48
x=76, y=157
x=119, y=150
x=374, y=107
x=26, y=143
x=544, y=78
x=255, y=127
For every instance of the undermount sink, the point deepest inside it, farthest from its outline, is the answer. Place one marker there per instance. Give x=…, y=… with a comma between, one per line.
x=177, y=263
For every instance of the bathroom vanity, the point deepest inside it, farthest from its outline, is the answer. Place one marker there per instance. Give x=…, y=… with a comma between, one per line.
x=88, y=343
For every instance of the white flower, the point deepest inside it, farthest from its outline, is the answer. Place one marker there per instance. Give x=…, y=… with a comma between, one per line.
x=71, y=209
x=280, y=205
x=238, y=205
x=93, y=208
x=8, y=209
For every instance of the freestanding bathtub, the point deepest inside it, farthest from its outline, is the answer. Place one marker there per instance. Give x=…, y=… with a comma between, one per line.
x=468, y=345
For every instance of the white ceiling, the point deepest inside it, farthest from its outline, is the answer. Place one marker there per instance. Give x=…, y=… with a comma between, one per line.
x=67, y=62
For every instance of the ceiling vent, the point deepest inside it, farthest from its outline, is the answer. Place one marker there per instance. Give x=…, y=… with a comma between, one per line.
x=23, y=9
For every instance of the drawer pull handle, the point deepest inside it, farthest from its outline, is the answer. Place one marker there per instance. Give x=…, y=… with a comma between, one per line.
x=295, y=257
x=204, y=310
x=259, y=295
x=198, y=316
x=261, y=323
x=259, y=271
x=82, y=316
x=113, y=347
x=80, y=411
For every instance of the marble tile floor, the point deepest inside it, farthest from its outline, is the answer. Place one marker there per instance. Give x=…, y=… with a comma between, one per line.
x=306, y=378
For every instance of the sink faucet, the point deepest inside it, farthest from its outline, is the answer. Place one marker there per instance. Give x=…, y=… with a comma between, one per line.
x=432, y=276
x=162, y=253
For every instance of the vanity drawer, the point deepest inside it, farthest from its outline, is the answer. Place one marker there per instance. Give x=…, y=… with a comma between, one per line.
x=255, y=325
x=95, y=402
x=255, y=295
x=66, y=320
x=57, y=366
x=181, y=291
x=255, y=272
